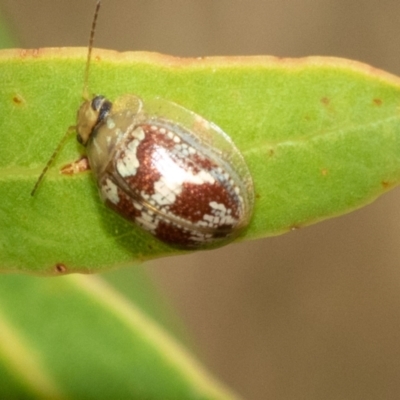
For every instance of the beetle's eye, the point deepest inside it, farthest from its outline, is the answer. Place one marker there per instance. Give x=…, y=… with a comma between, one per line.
x=97, y=102
x=101, y=106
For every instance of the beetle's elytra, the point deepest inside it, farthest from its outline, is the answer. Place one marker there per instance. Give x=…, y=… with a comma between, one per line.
x=165, y=168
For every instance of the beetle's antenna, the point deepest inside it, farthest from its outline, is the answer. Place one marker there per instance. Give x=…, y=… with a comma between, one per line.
x=85, y=95
x=70, y=130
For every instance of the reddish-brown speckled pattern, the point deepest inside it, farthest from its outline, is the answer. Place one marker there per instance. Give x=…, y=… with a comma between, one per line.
x=162, y=177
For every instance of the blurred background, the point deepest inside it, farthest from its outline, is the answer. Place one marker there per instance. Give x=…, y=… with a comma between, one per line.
x=313, y=314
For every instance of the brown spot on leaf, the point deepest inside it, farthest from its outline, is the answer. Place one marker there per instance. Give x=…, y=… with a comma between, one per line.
x=377, y=102
x=18, y=100
x=325, y=100
x=386, y=184
x=60, y=268
x=324, y=171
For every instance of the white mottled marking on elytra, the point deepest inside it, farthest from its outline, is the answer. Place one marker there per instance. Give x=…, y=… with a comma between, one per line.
x=166, y=191
x=162, y=130
x=192, y=150
x=153, y=128
x=201, y=237
x=139, y=133
x=218, y=206
x=228, y=220
x=208, y=217
x=174, y=175
x=110, y=191
x=200, y=178
x=236, y=189
x=170, y=135
x=220, y=215
x=177, y=139
x=145, y=222
x=128, y=163
x=146, y=217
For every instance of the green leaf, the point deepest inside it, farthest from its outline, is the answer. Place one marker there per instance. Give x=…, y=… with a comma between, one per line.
x=321, y=137
x=78, y=337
